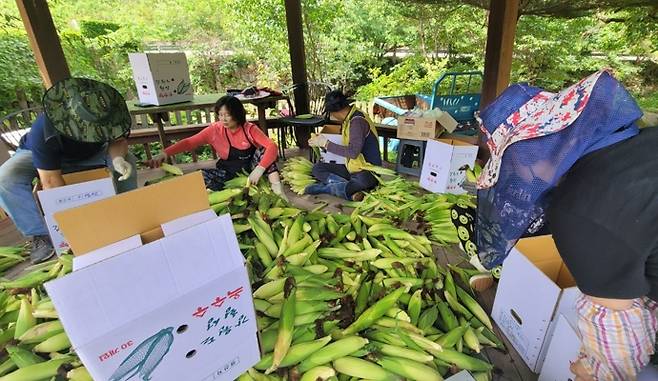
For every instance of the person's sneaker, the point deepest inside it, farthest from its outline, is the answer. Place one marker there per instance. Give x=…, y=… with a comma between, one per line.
x=358, y=196
x=41, y=249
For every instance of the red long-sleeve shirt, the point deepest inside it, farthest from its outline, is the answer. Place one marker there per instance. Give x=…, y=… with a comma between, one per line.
x=222, y=138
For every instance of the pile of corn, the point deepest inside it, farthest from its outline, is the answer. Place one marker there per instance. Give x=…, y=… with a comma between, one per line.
x=410, y=207
x=338, y=297
x=353, y=296
x=36, y=347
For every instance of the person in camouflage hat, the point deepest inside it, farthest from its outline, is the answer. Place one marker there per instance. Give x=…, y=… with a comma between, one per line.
x=84, y=126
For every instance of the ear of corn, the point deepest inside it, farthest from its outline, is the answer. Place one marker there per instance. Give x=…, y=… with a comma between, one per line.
x=320, y=373
x=474, y=307
x=37, y=372
x=22, y=357
x=463, y=361
x=287, y=321
x=409, y=369
x=54, y=344
x=402, y=352
x=80, y=374
x=25, y=319
x=372, y=314
x=333, y=351
x=356, y=367
x=428, y=318
x=335, y=261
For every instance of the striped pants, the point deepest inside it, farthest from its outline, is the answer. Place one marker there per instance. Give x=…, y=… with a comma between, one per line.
x=616, y=344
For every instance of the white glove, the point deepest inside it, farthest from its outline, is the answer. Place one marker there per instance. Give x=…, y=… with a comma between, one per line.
x=122, y=167
x=255, y=175
x=318, y=140
x=277, y=188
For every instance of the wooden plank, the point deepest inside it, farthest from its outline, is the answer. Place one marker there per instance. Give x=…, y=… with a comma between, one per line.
x=144, y=120
x=44, y=40
x=208, y=113
x=147, y=150
x=179, y=118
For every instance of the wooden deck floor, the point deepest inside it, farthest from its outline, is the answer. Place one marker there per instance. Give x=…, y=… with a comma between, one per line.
x=509, y=365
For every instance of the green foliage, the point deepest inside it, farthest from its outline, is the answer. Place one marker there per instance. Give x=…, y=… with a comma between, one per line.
x=19, y=71
x=413, y=75
x=352, y=44
x=94, y=29
x=648, y=101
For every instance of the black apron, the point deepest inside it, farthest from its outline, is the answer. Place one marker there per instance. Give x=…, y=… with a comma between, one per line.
x=238, y=160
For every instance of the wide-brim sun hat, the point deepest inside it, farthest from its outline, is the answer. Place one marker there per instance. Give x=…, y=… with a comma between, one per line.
x=86, y=110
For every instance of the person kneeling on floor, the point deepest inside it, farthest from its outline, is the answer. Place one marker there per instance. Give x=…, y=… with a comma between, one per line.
x=241, y=146
x=360, y=146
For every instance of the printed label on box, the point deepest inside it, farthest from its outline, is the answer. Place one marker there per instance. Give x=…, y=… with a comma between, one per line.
x=70, y=196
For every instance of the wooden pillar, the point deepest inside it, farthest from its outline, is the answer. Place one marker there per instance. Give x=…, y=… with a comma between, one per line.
x=44, y=40
x=298, y=63
x=503, y=15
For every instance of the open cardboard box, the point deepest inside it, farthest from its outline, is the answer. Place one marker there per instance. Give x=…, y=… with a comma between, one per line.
x=535, y=287
x=162, y=290
x=332, y=132
x=80, y=188
x=441, y=171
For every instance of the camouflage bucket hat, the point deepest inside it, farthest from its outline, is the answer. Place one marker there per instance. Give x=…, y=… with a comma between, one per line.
x=86, y=110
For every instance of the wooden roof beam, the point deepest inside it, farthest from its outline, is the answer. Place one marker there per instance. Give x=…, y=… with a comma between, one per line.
x=44, y=40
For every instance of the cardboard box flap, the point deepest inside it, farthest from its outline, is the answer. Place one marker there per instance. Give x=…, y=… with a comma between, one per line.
x=543, y=253
x=79, y=177
x=101, y=223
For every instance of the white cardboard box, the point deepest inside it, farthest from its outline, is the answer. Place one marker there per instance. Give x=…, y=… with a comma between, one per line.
x=161, y=78
x=78, y=192
x=332, y=133
x=535, y=287
x=565, y=347
x=185, y=295
x=441, y=166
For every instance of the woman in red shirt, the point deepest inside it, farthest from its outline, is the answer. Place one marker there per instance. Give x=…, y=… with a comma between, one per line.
x=241, y=146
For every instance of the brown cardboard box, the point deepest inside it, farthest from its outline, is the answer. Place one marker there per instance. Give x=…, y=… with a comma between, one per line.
x=418, y=128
